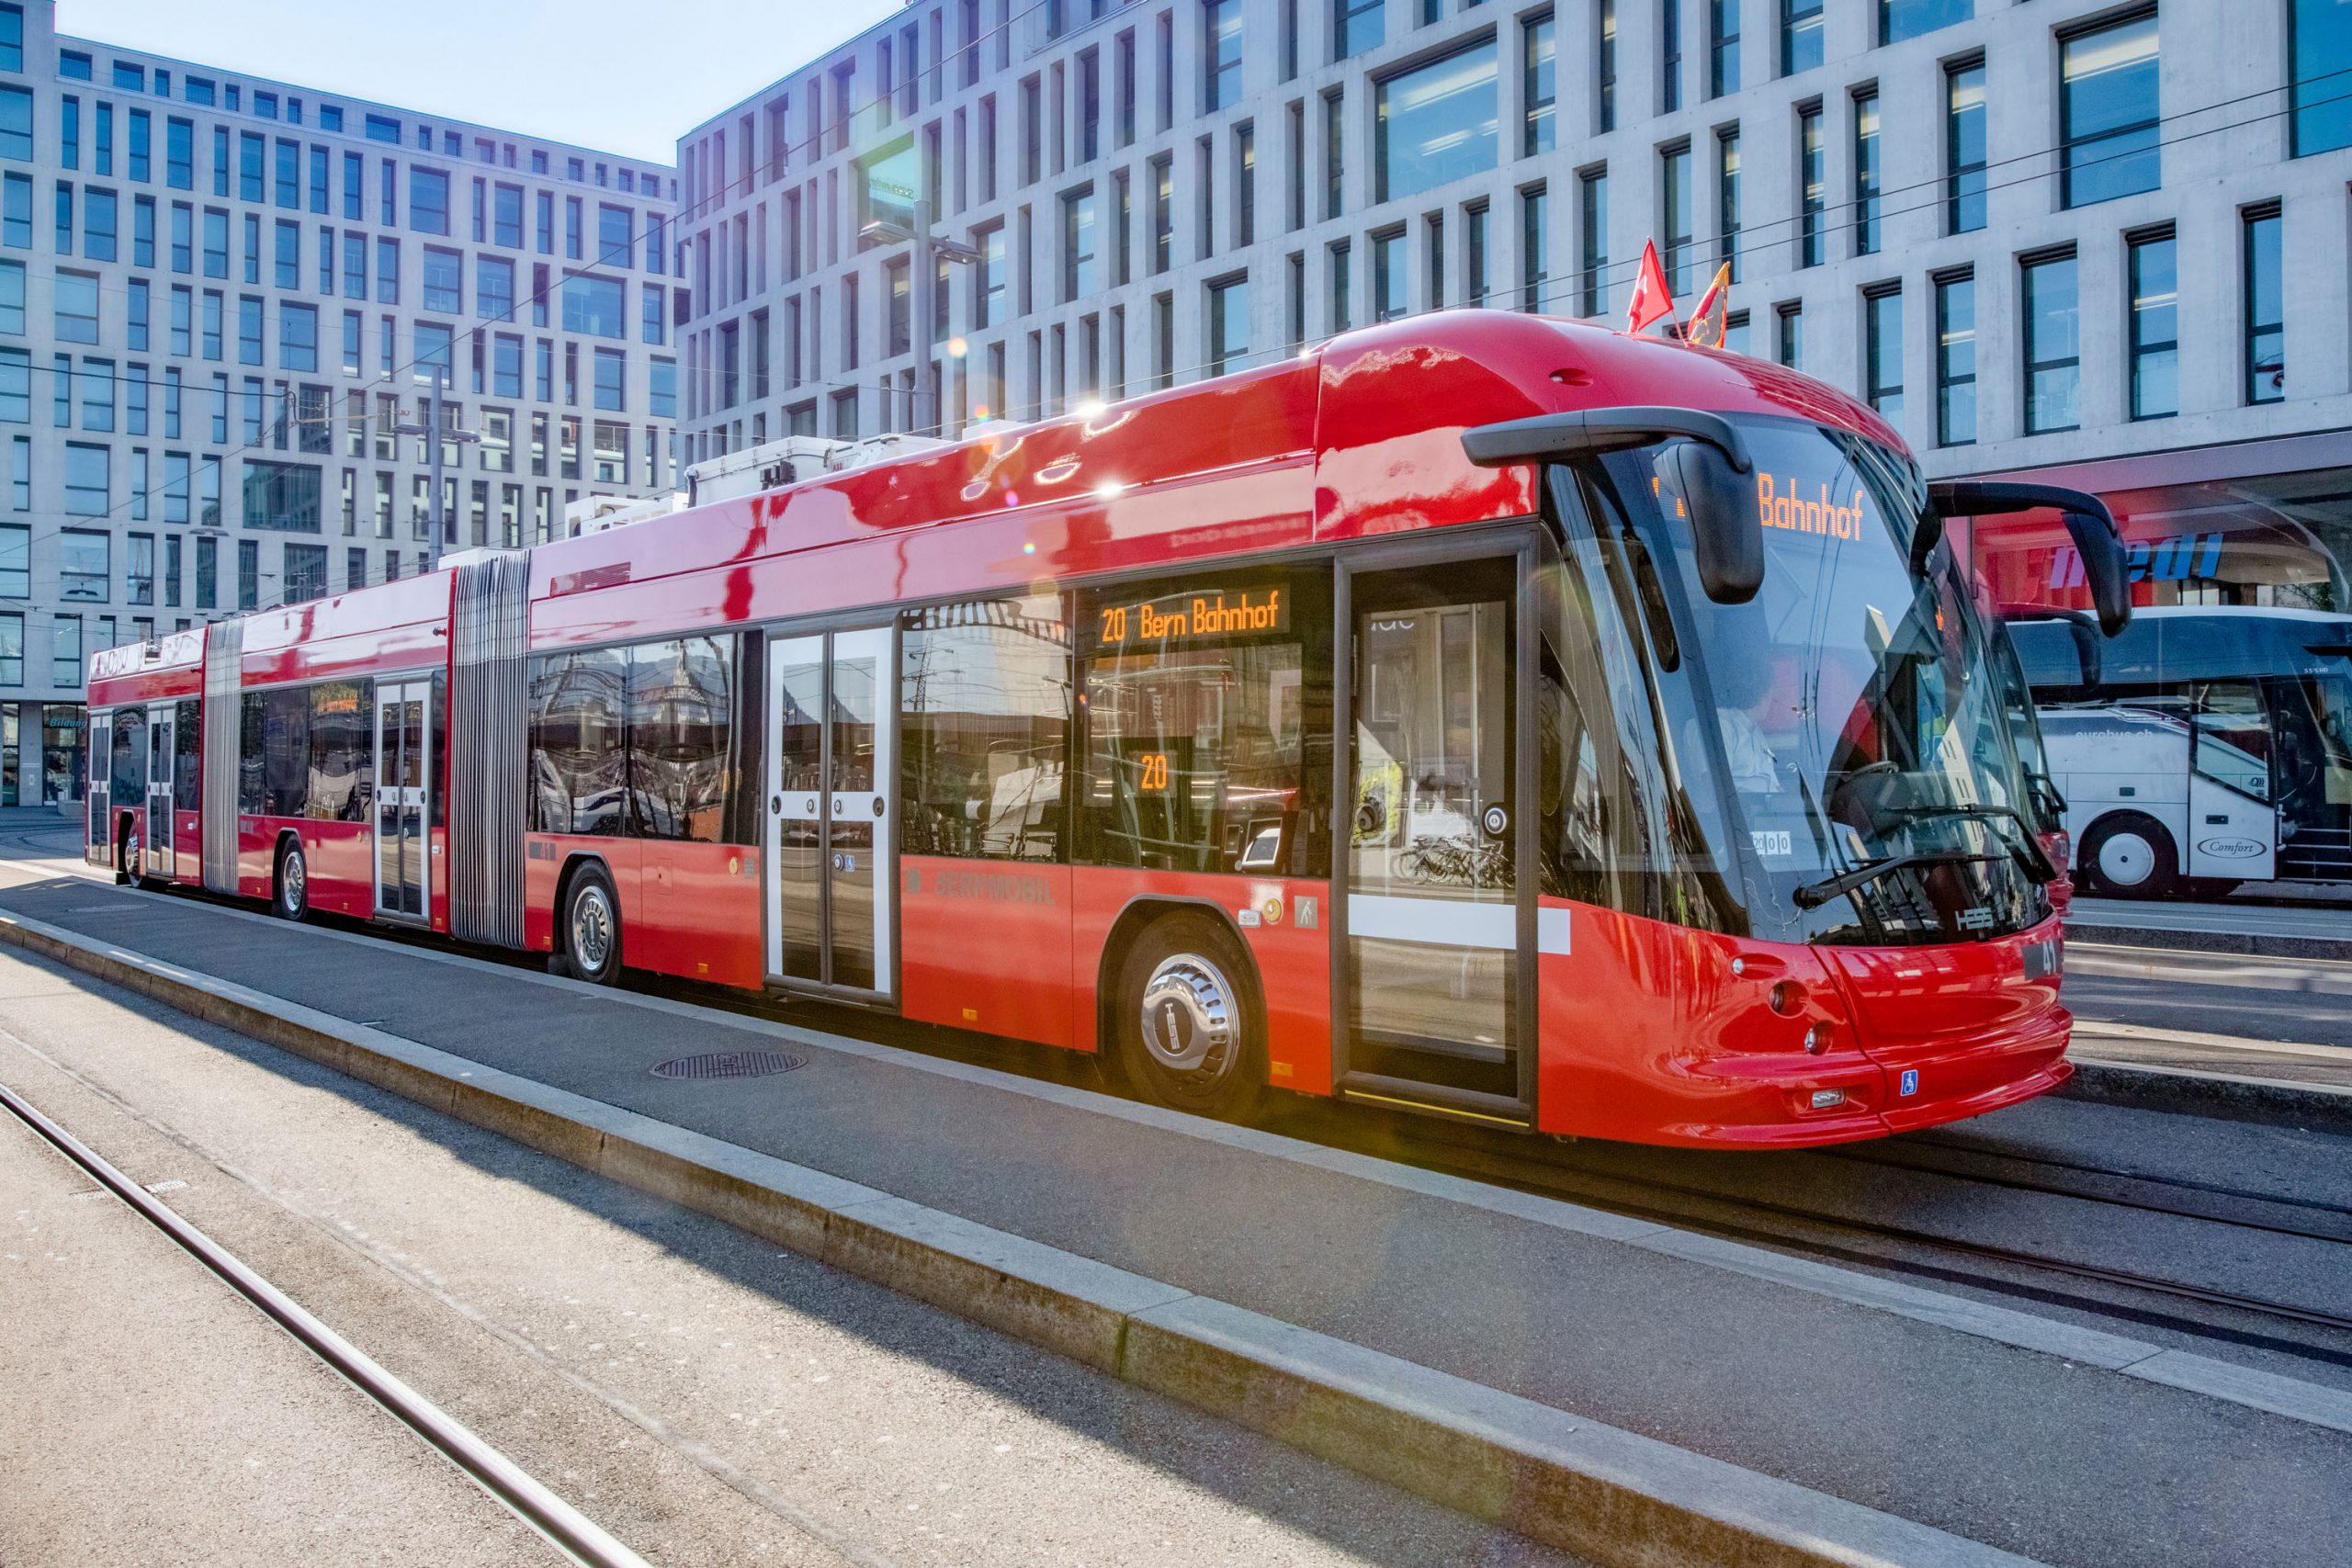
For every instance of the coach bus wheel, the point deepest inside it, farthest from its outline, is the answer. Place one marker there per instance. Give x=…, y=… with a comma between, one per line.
x=126, y=860
x=2131, y=856
x=1187, y=1034
x=291, y=900
x=592, y=927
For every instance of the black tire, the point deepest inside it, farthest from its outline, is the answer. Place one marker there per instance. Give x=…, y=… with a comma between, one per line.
x=289, y=896
x=1186, y=1024
x=590, y=928
x=2129, y=855
x=125, y=835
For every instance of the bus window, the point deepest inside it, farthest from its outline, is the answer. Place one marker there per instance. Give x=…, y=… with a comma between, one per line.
x=985, y=695
x=579, y=755
x=2232, y=738
x=342, y=749
x=128, y=760
x=1207, y=724
x=682, y=702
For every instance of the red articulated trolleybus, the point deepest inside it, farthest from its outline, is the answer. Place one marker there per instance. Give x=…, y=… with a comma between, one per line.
x=1482, y=714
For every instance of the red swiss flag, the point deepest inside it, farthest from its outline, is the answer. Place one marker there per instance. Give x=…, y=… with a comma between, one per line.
x=1652, y=299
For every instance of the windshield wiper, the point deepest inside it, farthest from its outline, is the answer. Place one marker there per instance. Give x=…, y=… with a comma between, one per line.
x=2025, y=849
x=1814, y=895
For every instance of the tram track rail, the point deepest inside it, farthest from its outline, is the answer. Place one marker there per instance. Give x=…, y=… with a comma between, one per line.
x=563, y=1527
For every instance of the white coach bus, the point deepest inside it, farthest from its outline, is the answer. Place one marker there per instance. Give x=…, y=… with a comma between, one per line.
x=2199, y=749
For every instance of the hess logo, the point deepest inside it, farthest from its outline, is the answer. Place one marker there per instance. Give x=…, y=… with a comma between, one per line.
x=2229, y=849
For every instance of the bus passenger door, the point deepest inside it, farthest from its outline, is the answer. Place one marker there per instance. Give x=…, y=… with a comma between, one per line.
x=1437, y=920
x=162, y=753
x=2233, y=822
x=187, y=795
x=403, y=789
x=832, y=730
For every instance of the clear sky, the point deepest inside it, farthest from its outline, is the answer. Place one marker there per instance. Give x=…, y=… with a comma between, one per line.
x=616, y=76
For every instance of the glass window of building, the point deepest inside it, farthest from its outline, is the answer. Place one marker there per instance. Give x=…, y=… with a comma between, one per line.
x=445, y=281
x=2156, y=327
x=2320, y=45
x=1867, y=173
x=1883, y=352
x=1389, y=279
x=1788, y=330
x=428, y=200
x=1534, y=248
x=1813, y=182
x=1341, y=279
x=1728, y=180
x=1357, y=26
x=1964, y=148
x=1435, y=123
x=1669, y=57
x=1229, y=323
x=2108, y=115
x=77, y=306
x=1541, y=88
x=298, y=336
x=1080, y=277
x=2053, y=345
x=82, y=565
x=1220, y=55
x=616, y=236
x=1604, y=66
x=1956, y=360
x=1800, y=36
x=597, y=306
x=612, y=380
x=495, y=288
x=1593, y=261
x=1900, y=19
x=1723, y=47
x=2266, y=332
x=1674, y=214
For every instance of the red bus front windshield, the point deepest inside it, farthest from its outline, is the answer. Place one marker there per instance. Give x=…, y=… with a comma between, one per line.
x=1846, y=717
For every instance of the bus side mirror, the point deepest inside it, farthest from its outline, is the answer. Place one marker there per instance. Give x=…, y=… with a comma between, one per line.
x=2088, y=522
x=1726, y=535
x=1710, y=469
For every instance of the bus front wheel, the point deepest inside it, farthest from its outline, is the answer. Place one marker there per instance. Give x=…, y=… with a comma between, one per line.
x=2131, y=856
x=1186, y=1028
x=290, y=897
x=592, y=927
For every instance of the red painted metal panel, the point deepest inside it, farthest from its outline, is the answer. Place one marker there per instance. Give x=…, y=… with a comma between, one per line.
x=401, y=624
x=340, y=860
x=1294, y=962
x=985, y=946
x=697, y=912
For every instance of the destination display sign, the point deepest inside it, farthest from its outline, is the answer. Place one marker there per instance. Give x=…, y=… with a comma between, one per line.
x=1195, y=615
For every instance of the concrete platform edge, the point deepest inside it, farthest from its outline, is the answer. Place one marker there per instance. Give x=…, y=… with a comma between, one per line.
x=2253, y=944
x=1611, y=1495
x=2147, y=1087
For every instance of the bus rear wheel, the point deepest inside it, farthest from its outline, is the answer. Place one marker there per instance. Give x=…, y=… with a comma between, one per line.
x=592, y=927
x=290, y=893
x=1186, y=1026
x=2131, y=856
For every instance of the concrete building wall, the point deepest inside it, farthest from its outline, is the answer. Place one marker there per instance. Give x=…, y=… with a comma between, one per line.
x=780, y=170
x=117, y=377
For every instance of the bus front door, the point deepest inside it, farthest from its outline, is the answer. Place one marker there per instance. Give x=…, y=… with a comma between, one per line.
x=832, y=769
x=162, y=753
x=1436, y=920
x=403, y=793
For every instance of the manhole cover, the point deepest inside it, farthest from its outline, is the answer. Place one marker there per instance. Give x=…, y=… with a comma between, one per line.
x=729, y=1065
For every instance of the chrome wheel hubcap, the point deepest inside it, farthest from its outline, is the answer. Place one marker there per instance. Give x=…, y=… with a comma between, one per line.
x=296, y=878
x=2126, y=860
x=1188, y=1016
x=592, y=927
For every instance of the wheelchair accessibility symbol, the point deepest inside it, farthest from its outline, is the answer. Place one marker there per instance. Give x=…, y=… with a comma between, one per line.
x=1910, y=1082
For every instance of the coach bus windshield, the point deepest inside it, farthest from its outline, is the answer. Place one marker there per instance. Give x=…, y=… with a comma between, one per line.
x=1850, y=715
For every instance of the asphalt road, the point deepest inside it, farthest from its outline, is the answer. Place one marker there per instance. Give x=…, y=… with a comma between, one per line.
x=2310, y=1017
x=702, y=1395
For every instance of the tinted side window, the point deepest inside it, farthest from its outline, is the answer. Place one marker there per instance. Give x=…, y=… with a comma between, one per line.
x=579, y=752
x=188, y=740
x=127, y=761
x=680, y=711
x=286, y=751
x=985, y=689
x=253, y=708
x=1208, y=714
x=342, y=749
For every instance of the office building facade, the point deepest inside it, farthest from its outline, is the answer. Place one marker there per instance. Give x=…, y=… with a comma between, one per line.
x=222, y=302
x=2040, y=236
